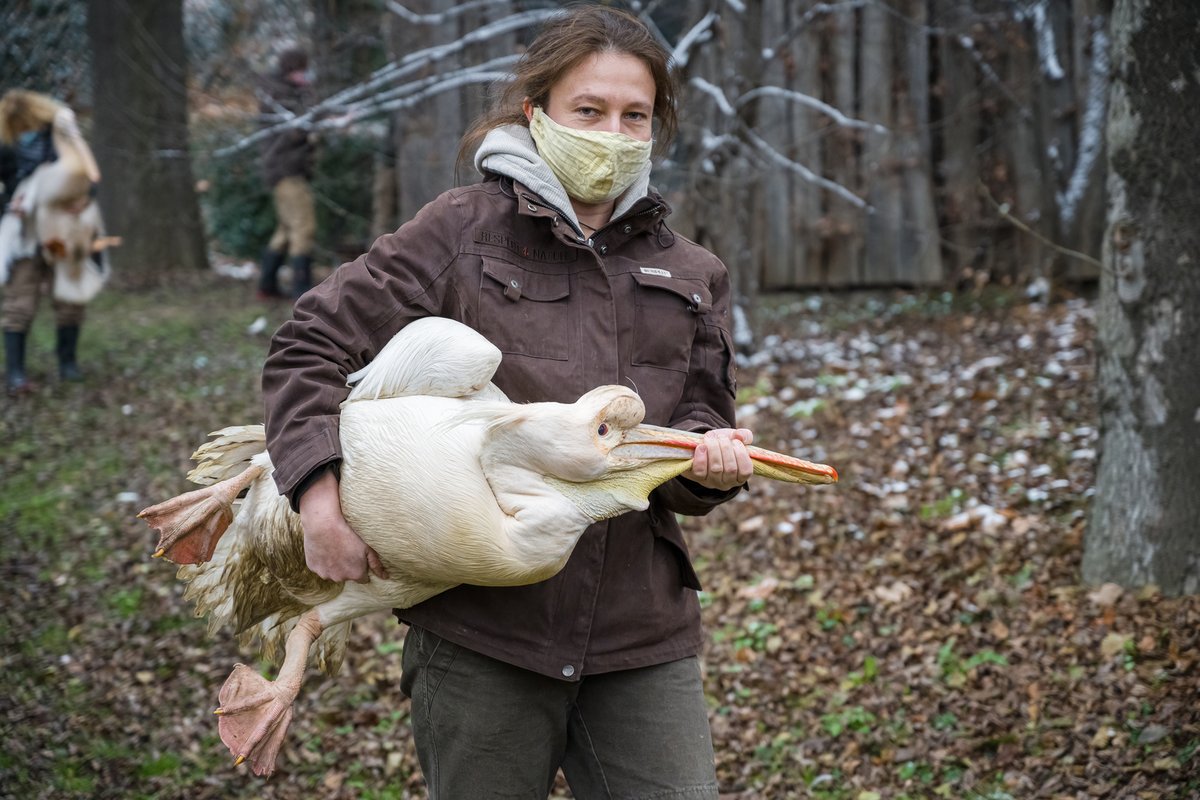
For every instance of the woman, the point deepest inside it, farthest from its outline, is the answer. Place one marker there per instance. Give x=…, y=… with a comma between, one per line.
x=51, y=180
x=563, y=259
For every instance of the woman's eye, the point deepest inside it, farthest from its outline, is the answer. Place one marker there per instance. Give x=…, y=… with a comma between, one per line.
x=603, y=429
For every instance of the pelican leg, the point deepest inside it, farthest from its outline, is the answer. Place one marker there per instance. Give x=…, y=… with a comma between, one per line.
x=255, y=712
x=191, y=524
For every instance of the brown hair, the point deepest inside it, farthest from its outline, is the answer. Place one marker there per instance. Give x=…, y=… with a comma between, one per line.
x=22, y=111
x=562, y=43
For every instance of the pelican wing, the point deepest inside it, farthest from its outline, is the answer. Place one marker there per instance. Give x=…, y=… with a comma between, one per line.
x=432, y=356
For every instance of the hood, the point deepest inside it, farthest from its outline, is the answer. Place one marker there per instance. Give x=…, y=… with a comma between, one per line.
x=509, y=151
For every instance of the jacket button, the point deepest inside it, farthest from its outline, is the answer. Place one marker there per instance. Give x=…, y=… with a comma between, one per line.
x=627, y=229
x=515, y=283
x=696, y=299
x=568, y=671
x=531, y=206
x=603, y=249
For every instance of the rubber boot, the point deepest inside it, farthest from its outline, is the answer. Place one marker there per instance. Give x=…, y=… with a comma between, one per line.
x=301, y=275
x=68, y=342
x=268, y=278
x=15, y=381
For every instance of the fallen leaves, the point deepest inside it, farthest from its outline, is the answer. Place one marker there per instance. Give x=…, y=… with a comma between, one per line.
x=949, y=556
x=916, y=630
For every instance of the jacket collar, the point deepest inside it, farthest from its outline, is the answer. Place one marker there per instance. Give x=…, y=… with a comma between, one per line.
x=643, y=214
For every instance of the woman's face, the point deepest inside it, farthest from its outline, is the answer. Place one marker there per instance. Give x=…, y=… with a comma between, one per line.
x=612, y=92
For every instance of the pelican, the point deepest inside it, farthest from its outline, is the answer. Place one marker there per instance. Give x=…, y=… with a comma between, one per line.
x=443, y=476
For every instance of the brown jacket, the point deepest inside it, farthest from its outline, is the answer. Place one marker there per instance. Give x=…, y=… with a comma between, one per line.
x=291, y=152
x=642, y=306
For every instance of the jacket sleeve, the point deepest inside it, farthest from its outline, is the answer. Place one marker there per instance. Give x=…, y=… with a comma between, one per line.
x=337, y=328
x=709, y=396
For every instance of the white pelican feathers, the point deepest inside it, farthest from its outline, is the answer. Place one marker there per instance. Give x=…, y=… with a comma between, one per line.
x=442, y=475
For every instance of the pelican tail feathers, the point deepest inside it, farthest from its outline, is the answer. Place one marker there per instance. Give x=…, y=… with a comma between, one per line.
x=228, y=454
x=257, y=582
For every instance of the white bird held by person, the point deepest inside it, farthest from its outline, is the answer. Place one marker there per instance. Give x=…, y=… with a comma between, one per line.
x=444, y=477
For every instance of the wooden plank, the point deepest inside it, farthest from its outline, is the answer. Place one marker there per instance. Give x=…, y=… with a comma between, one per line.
x=959, y=129
x=1025, y=157
x=809, y=224
x=920, y=250
x=876, y=58
x=845, y=245
x=782, y=255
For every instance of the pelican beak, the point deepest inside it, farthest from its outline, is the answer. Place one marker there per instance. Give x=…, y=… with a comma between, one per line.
x=646, y=443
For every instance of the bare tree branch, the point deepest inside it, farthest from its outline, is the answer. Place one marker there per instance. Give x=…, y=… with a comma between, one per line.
x=442, y=16
x=769, y=152
x=488, y=71
x=1003, y=210
x=804, y=172
x=716, y=94
x=442, y=84
x=809, y=16
x=813, y=103
x=353, y=100
x=699, y=32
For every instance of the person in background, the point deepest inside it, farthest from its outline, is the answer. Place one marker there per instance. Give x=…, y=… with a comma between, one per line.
x=563, y=258
x=287, y=162
x=30, y=125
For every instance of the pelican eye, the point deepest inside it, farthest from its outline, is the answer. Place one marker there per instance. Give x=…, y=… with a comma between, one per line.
x=603, y=429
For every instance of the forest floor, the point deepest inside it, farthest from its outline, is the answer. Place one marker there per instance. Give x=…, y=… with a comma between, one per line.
x=918, y=630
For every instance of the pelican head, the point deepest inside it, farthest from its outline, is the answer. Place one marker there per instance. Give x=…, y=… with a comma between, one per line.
x=621, y=460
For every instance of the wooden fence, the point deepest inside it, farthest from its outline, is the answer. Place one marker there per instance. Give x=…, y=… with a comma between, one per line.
x=843, y=144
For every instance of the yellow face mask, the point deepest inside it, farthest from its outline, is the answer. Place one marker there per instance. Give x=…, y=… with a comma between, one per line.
x=593, y=166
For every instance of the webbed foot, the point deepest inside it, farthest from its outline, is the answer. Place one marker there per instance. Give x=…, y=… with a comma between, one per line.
x=191, y=524
x=255, y=715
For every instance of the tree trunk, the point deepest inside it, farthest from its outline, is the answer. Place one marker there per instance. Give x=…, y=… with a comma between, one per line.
x=1143, y=522
x=140, y=136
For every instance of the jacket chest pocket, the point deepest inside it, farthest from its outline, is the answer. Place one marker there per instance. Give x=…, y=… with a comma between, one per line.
x=524, y=312
x=666, y=313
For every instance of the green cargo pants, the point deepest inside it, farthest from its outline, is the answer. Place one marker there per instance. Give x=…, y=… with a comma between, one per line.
x=486, y=729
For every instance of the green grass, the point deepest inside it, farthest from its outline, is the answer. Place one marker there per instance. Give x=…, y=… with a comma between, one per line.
x=163, y=367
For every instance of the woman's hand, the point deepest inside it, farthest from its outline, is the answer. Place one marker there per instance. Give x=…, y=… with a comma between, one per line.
x=721, y=462
x=331, y=547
